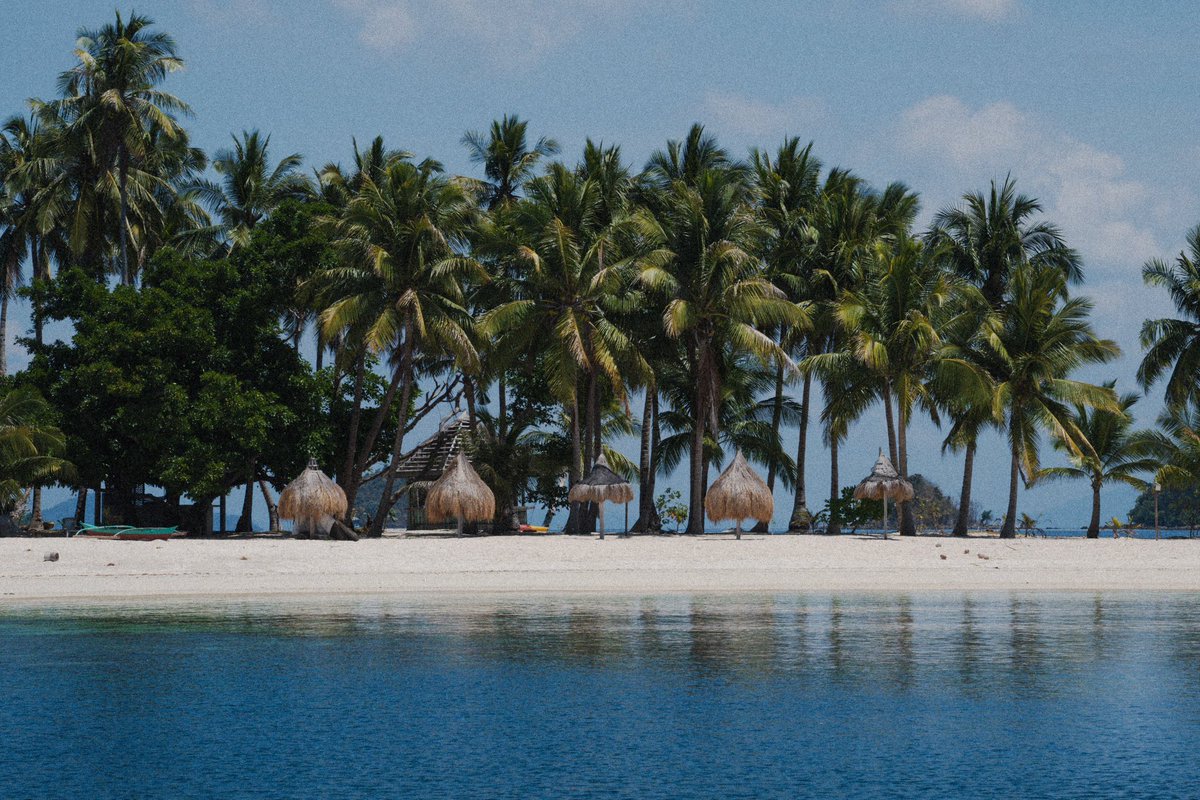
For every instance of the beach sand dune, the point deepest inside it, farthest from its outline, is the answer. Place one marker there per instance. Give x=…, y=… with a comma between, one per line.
x=106, y=569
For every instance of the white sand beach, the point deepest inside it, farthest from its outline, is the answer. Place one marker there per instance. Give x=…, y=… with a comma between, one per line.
x=106, y=569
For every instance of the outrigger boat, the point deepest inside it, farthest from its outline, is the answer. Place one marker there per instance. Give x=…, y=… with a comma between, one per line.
x=128, y=532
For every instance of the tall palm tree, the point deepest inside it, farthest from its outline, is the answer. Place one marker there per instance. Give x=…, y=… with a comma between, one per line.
x=250, y=187
x=717, y=298
x=893, y=321
x=1030, y=349
x=507, y=158
x=985, y=240
x=1116, y=452
x=1173, y=344
x=112, y=102
x=399, y=289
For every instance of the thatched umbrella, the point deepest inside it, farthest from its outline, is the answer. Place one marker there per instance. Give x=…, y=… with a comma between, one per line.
x=313, y=501
x=884, y=482
x=738, y=494
x=601, y=486
x=460, y=493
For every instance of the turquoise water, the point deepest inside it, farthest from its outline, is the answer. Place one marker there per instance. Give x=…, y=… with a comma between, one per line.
x=940, y=696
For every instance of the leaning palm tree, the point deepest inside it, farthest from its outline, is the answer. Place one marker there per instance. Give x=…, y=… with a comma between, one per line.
x=1116, y=452
x=1173, y=344
x=398, y=291
x=717, y=298
x=1030, y=349
x=250, y=187
x=112, y=102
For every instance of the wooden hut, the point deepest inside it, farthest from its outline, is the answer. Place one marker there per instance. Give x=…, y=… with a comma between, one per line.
x=460, y=494
x=738, y=494
x=314, y=501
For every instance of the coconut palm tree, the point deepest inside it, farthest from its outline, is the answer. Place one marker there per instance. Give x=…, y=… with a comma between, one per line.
x=112, y=103
x=507, y=158
x=30, y=450
x=1116, y=452
x=985, y=240
x=1030, y=349
x=250, y=187
x=1173, y=344
x=893, y=320
x=717, y=299
x=398, y=291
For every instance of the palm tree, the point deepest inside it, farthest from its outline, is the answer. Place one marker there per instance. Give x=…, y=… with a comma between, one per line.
x=893, y=320
x=985, y=241
x=1173, y=345
x=1176, y=446
x=507, y=159
x=1030, y=349
x=717, y=298
x=250, y=188
x=1116, y=453
x=112, y=104
x=398, y=289
x=30, y=449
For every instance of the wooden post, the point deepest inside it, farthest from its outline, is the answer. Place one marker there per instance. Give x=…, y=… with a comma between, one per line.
x=737, y=529
x=458, y=530
x=601, y=515
x=885, y=516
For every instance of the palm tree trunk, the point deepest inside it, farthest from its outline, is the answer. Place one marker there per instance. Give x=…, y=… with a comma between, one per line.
x=1093, y=531
x=406, y=381
x=320, y=360
x=908, y=524
x=4, y=335
x=272, y=507
x=835, y=527
x=776, y=421
x=81, y=506
x=801, y=520
x=502, y=418
x=385, y=406
x=575, y=472
x=346, y=477
x=126, y=275
x=245, y=523
x=645, y=493
x=695, y=523
x=35, y=518
x=891, y=425
x=1009, y=530
x=469, y=393
x=964, y=499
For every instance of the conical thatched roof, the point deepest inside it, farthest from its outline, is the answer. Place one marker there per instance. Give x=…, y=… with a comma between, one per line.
x=883, y=482
x=601, y=485
x=460, y=494
x=312, y=494
x=739, y=494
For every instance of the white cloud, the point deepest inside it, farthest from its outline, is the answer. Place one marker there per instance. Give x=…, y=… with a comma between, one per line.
x=1108, y=215
x=987, y=10
x=733, y=112
x=509, y=31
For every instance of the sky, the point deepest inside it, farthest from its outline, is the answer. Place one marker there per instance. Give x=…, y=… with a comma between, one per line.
x=1088, y=104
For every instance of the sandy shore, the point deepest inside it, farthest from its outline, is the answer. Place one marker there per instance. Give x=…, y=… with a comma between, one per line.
x=265, y=567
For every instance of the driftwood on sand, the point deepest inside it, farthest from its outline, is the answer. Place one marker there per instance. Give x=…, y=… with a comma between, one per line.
x=738, y=494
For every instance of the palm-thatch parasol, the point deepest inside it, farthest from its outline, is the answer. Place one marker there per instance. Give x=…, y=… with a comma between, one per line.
x=313, y=501
x=460, y=493
x=884, y=482
x=601, y=486
x=738, y=494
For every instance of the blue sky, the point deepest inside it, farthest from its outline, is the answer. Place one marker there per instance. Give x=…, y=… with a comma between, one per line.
x=1090, y=105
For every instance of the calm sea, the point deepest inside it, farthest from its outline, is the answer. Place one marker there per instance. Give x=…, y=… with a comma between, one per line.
x=930, y=696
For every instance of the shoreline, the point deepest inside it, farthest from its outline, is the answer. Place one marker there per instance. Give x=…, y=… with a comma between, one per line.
x=104, y=570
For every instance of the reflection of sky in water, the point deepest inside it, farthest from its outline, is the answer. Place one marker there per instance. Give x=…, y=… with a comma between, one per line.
x=887, y=696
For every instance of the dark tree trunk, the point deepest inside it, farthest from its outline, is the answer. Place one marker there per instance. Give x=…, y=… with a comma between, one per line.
x=502, y=419
x=835, y=527
x=695, y=522
x=469, y=393
x=35, y=518
x=272, y=507
x=126, y=274
x=776, y=422
x=1009, y=530
x=801, y=520
x=645, y=468
x=908, y=523
x=346, y=477
x=4, y=334
x=320, y=361
x=245, y=523
x=963, y=521
x=891, y=425
x=385, y=406
x=1093, y=531
x=574, y=473
x=389, y=482
x=81, y=505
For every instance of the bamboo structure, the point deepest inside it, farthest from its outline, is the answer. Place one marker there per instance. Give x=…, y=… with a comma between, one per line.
x=737, y=494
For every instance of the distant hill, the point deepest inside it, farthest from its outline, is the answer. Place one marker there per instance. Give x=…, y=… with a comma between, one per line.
x=1177, y=508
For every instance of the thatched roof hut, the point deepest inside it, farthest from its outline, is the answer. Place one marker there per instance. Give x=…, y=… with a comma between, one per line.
x=460, y=493
x=738, y=494
x=601, y=486
x=313, y=500
x=884, y=483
